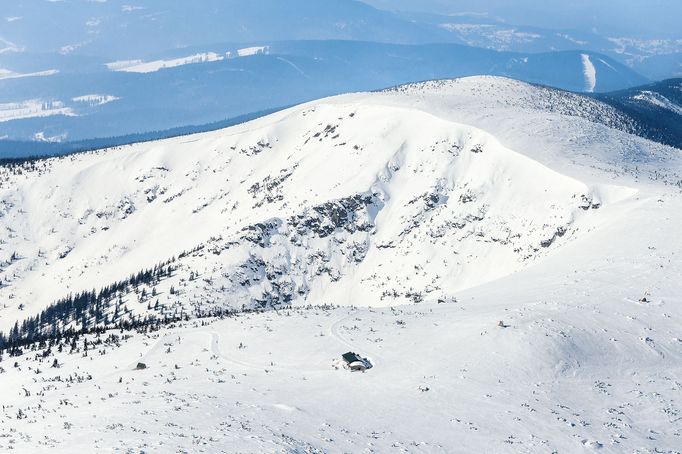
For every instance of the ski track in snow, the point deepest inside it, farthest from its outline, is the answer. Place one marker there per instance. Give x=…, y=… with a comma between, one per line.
x=297, y=68
x=215, y=349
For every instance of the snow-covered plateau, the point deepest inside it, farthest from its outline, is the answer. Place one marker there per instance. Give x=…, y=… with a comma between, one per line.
x=506, y=256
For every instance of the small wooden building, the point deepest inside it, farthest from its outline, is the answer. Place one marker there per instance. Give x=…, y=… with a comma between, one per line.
x=355, y=362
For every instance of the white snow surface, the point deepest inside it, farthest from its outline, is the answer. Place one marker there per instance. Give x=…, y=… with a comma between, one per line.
x=590, y=73
x=95, y=100
x=139, y=66
x=429, y=213
x=658, y=100
x=33, y=108
x=250, y=51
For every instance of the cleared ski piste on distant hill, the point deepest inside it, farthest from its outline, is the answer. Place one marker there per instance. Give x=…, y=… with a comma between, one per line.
x=482, y=199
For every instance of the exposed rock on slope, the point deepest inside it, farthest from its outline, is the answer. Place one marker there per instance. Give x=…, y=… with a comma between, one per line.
x=358, y=199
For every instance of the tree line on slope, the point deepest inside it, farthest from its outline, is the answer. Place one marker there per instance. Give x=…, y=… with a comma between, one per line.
x=85, y=311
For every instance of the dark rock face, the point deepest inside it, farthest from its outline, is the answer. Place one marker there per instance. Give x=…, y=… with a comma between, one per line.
x=261, y=233
x=270, y=189
x=343, y=214
x=286, y=256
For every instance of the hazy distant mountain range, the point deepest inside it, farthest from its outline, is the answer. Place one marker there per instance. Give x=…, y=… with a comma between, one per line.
x=111, y=68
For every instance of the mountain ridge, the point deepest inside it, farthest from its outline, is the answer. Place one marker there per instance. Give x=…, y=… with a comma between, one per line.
x=171, y=179
x=505, y=256
x=53, y=109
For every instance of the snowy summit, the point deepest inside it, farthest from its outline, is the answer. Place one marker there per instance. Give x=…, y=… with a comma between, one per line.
x=499, y=262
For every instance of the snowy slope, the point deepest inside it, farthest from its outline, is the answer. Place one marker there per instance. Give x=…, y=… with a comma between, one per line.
x=438, y=208
x=582, y=367
x=311, y=201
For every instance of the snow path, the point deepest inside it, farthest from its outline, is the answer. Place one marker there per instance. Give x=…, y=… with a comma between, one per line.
x=334, y=331
x=215, y=349
x=293, y=65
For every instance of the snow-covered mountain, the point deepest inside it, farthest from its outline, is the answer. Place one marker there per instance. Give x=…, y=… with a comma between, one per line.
x=315, y=202
x=655, y=108
x=514, y=249
x=82, y=74
x=203, y=85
